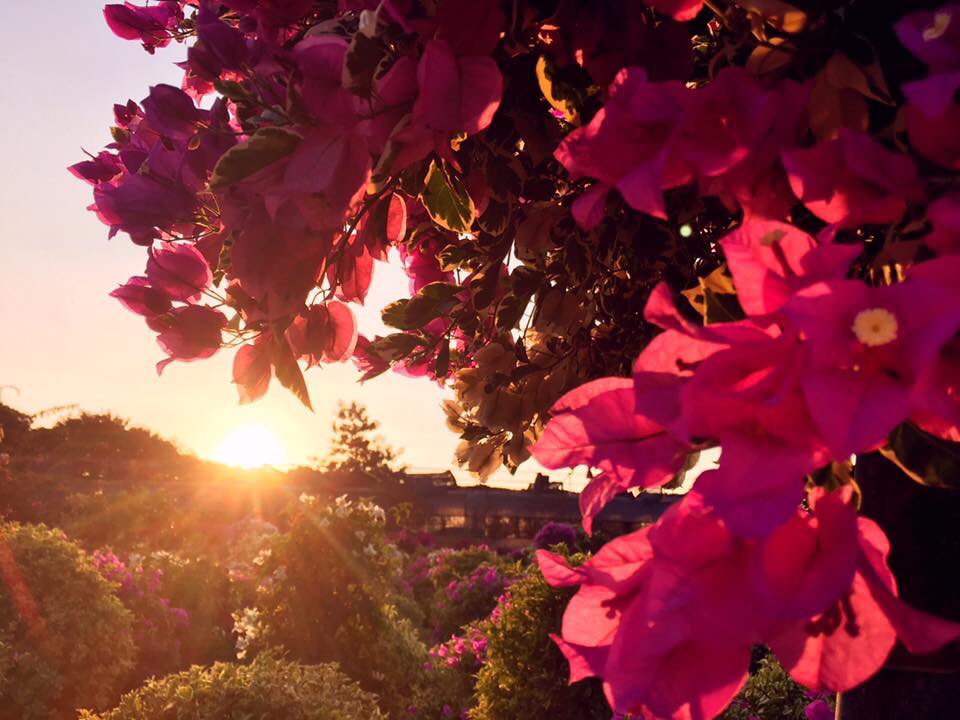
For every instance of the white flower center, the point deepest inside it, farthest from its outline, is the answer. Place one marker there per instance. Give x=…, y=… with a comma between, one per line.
x=875, y=327
x=938, y=28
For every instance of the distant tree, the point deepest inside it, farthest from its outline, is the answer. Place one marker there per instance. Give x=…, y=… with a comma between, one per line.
x=357, y=449
x=13, y=424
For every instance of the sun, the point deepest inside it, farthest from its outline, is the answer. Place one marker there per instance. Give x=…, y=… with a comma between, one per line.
x=250, y=446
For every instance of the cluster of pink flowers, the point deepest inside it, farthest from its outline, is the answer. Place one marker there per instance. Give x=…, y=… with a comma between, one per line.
x=271, y=189
x=653, y=136
x=482, y=578
x=821, y=368
x=159, y=625
x=467, y=650
x=277, y=201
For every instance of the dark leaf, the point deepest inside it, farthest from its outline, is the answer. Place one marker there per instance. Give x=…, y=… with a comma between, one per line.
x=287, y=370
x=442, y=366
x=715, y=298
x=360, y=64
x=260, y=150
x=447, y=200
x=924, y=458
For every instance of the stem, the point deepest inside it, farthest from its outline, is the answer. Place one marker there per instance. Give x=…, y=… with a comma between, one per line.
x=837, y=713
x=717, y=10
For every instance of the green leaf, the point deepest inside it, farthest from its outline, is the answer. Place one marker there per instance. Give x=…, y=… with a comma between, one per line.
x=288, y=372
x=442, y=366
x=715, y=298
x=395, y=346
x=452, y=257
x=431, y=302
x=561, y=96
x=924, y=458
x=360, y=64
x=511, y=310
x=447, y=201
x=263, y=148
x=495, y=218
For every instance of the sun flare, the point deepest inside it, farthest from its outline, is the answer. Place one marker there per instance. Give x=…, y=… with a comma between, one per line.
x=250, y=446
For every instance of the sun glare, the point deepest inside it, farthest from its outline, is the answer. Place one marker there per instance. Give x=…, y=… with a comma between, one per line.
x=250, y=446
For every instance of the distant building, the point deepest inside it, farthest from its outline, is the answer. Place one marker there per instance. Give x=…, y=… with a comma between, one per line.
x=504, y=516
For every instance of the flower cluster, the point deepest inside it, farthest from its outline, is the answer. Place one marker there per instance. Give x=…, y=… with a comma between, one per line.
x=467, y=650
x=286, y=184
x=820, y=368
x=158, y=626
x=554, y=533
x=615, y=153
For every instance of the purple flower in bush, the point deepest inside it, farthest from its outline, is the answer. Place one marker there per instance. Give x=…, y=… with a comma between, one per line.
x=818, y=710
x=554, y=533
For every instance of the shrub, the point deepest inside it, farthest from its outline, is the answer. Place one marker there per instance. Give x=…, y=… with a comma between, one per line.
x=324, y=593
x=159, y=626
x=203, y=588
x=471, y=598
x=524, y=676
x=267, y=689
x=556, y=533
x=66, y=641
x=770, y=694
x=457, y=587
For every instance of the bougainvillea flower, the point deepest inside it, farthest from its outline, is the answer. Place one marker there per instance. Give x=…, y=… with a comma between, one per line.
x=457, y=94
x=867, y=349
x=933, y=36
x=936, y=397
x=178, y=270
x=853, y=180
x=150, y=25
x=758, y=183
x=850, y=641
x=329, y=162
x=682, y=10
x=102, y=168
x=669, y=360
x=277, y=259
x=383, y=226
x=354, y=272
x=138, y=204
x=771, y=260
x=320, y=61
x=171, y=112
x=191, y=332
x=629, y=144
x=420, y=261
x=394, y=94
x=944, y=216
x=726, y=119
x=470, y=27
x=809, y=560
x=596, y=425
x=252, y=368
x=139, y=297
x=932, y=115
x=324, y=333
x=218, y=41
x=645, y=616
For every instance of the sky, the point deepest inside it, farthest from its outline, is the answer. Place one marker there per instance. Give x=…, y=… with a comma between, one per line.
x=63, y=341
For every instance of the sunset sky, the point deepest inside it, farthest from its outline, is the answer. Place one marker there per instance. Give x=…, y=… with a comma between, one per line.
x=63, y=341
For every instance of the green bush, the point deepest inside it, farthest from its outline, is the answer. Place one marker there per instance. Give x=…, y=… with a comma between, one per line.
x=203, y=588
x=525, y=676
x=65, y=639
x=457, y=587
x=324, y=594
x=770, y=694
x=267, y=689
